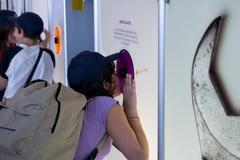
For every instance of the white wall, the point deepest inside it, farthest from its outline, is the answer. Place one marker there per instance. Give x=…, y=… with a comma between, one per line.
x=133, y=25
x=41, y=8
x=187, y=20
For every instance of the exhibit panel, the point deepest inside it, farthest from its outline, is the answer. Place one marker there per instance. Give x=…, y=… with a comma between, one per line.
x=133, y=25
x=72, y=32
x=58, y=30
x=201, y=81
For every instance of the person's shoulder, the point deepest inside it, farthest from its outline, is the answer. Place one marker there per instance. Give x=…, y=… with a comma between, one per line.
x=13, y=50
x=104, y=99
x=9, y=54
x=102, y=105
x=50, y=53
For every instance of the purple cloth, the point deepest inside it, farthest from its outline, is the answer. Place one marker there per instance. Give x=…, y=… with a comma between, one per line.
x=94, y=127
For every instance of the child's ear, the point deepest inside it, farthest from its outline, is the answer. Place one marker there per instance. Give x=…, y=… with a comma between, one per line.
x=21, y=31
x=106, y=85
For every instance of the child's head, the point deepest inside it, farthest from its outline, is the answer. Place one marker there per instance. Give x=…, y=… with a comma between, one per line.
x=92, y=74
x=28, y=25
x=7, y=27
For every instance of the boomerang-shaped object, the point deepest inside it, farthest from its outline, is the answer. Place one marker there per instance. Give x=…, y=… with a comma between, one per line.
x=218, y=127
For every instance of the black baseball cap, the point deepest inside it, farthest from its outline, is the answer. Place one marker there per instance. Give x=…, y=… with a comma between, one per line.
x=31, y=23
x=86, y=69
x=7, y=17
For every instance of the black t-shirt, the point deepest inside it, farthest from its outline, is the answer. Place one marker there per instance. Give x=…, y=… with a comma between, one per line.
x=8, y=55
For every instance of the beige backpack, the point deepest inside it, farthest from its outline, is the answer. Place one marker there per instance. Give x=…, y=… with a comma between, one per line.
x=41, y=122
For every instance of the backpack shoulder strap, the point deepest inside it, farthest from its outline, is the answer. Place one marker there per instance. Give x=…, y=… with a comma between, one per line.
x=34, y=67
x=51, y=55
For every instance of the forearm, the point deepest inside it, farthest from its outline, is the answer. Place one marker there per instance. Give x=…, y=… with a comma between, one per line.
x=135, y=123
x=130, y=110
x=139, y=132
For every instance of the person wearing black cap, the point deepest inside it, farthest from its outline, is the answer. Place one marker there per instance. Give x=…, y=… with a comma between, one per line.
x=27, y=31
x=94, y=75
x=7, y=40
x=6, y=28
